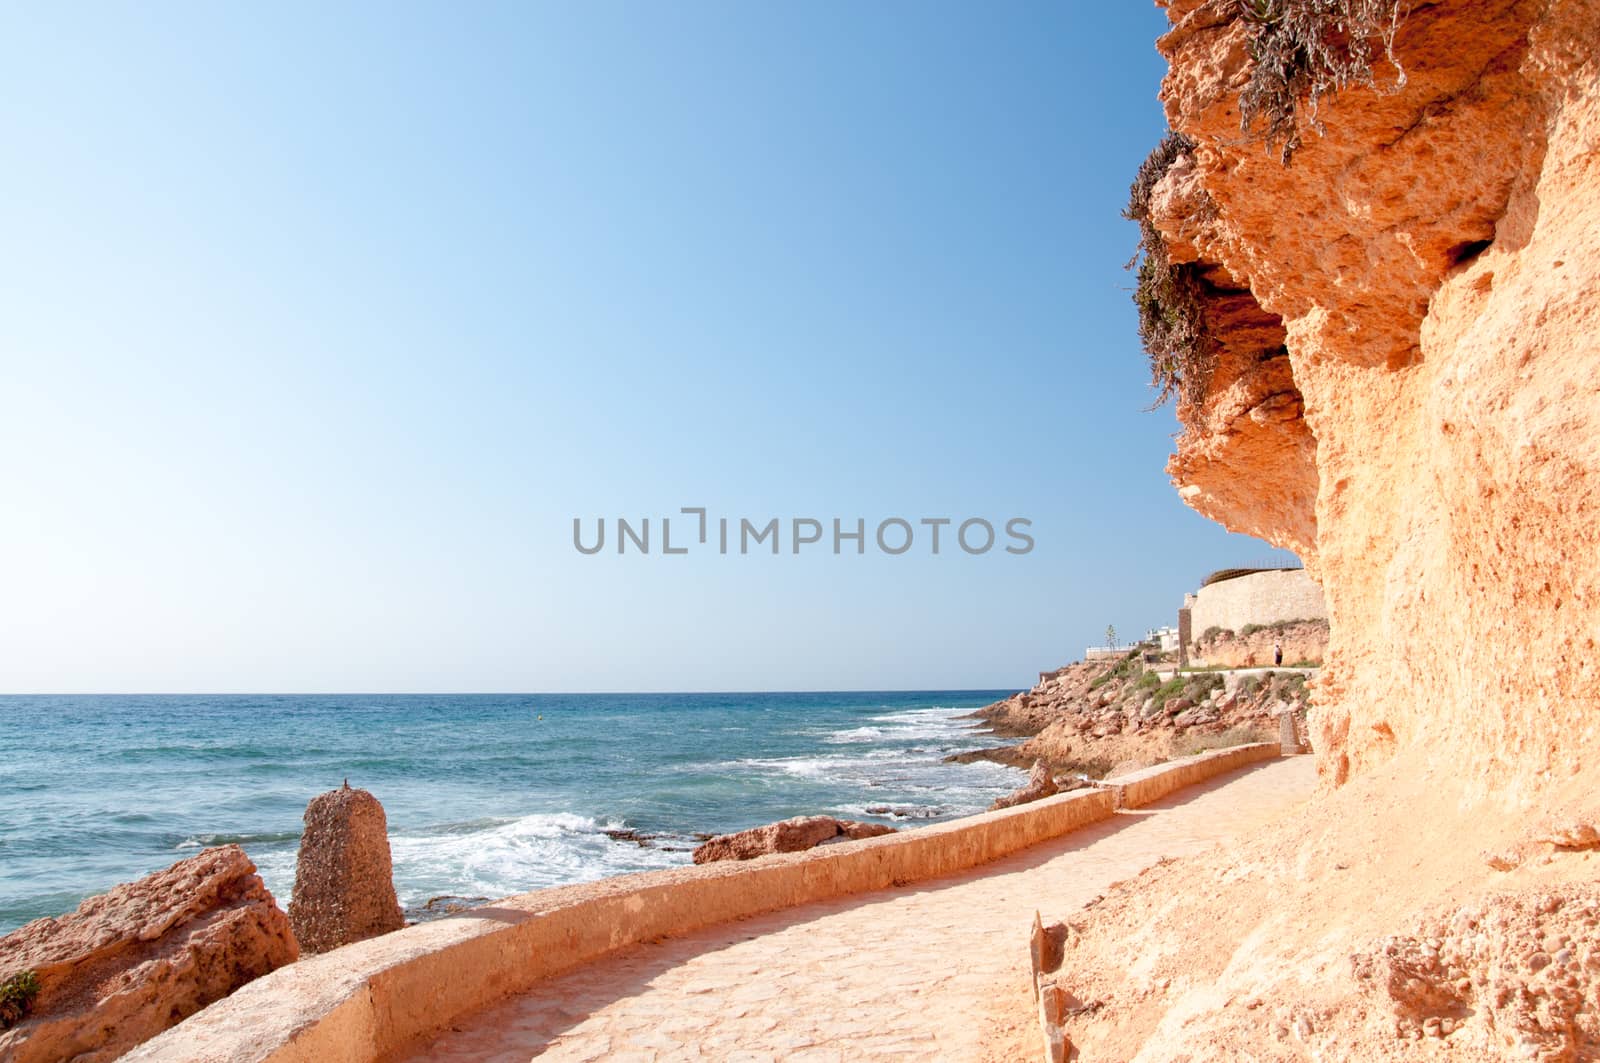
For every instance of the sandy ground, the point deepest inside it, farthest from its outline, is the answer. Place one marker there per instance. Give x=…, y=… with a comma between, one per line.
x=1390, y=919
x=902, y=973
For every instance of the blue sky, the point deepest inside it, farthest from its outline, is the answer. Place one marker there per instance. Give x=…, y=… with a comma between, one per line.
x=319, y=327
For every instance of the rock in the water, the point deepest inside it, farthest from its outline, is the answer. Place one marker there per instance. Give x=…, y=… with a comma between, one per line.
x=344, y=878
x=1040, y=784
x=785, y=836
x=132, y=962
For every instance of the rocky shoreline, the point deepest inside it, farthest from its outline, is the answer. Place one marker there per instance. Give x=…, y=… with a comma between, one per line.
x=1096, y=718
x=146, y=954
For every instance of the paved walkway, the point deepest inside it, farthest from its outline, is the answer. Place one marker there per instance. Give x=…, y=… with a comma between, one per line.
x=897, y=974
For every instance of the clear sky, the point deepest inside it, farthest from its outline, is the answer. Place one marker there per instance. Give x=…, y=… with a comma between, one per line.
x=319, y=324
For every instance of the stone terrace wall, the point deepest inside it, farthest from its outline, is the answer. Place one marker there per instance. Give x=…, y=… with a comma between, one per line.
x=1259, y=598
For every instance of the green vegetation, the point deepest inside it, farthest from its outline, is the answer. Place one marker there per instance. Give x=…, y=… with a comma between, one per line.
x=1111, y=636
x=1169, y=297
x=1148, y=681
x=1250, y=629
x=1306, y=50
x=1213, y=632
x=1129, y=664
x=1189, y=685
x=1168, y=690
x=16, y=998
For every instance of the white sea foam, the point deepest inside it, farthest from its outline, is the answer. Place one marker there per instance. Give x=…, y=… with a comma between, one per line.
x=799, y=767
x=855, y=734
x=898, y=812
x=523, y=854
x=940, y=726
x=499, y=859
x=899, y=754
x=197, y=841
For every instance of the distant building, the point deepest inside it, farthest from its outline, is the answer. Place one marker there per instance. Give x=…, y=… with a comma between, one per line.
x=1165, y=638
x=1236, y=598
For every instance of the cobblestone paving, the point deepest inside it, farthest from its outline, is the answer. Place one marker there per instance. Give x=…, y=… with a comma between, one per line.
x=904, y=973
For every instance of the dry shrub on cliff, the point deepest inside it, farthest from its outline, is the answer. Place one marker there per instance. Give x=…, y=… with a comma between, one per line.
x=1170, y=296
x=1309, y=49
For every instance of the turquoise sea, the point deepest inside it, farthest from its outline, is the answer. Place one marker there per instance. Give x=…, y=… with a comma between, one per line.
x=486, y=794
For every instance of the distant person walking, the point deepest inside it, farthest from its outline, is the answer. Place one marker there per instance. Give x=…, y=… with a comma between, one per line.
x=1277, y=653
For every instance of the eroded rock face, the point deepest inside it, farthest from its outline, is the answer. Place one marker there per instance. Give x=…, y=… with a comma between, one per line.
x=344, y=877
x=785, y=836
x=132, y=962
x=1430, y=443
x=1040, y=784
x=1509, y=975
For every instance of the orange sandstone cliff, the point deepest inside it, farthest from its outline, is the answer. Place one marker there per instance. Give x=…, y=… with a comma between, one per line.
x=1408, y=393
x=1401, y=383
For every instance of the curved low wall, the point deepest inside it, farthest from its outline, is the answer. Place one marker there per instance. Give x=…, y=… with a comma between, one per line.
x=372, y=1000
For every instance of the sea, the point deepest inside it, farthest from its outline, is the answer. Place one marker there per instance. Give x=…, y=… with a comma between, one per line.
x=486, y=794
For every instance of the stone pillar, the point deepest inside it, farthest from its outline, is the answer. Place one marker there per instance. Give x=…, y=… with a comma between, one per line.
x=344, y=877
x=1288, y=741
x=1184, y=625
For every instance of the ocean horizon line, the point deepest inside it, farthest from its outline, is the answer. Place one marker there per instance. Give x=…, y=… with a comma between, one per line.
x=491, y=693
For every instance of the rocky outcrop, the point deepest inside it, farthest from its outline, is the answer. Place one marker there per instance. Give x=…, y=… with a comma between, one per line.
x=1040, y=784
x=1028, y=712
x=1096, y=717
x=1428, y=436
x=785, y=836
x=132, y=962
x=344, y=877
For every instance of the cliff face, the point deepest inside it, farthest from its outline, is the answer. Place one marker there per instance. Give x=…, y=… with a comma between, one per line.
x=1407, y=392
x=1426, y=434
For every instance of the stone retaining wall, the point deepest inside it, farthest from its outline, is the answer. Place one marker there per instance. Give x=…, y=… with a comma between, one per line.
x=1258, y=598
x=1153, y=783
x=374, y=999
